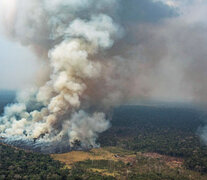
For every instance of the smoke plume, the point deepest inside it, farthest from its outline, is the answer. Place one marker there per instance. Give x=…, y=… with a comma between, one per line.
x=70, y=35
x=100, y=54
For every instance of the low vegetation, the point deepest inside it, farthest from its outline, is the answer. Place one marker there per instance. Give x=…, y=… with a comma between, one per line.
x=144, y=142
x=127, y=165
x=165, y=130
x=18, y=164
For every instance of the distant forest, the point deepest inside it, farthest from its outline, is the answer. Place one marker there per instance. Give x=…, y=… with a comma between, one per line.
x=167, y=130
x=172, y=131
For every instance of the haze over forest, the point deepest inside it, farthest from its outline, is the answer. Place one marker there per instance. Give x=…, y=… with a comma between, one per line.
x=126, y=76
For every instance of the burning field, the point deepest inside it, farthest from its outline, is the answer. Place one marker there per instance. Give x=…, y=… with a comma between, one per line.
x=96, y=55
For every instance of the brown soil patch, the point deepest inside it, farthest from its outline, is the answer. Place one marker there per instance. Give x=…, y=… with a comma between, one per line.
x=173, y=162
x=77, y=156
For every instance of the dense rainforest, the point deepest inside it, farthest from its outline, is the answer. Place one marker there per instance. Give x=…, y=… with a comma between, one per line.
x=168, y=130
x=173, y=131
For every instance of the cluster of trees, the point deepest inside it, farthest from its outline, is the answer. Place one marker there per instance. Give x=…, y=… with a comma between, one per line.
x=143, y=168
x=19, y=164
x=165, y=130
x=80, y=173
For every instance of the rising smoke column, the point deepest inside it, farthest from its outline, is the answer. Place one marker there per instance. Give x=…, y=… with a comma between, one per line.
x=100, y=54
x=73, y=34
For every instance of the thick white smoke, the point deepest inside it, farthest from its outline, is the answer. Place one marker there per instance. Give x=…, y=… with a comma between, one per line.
x=72, y=33
x=101, y=54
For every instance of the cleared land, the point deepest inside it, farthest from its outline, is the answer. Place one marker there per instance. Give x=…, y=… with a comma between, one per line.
x=144, y=142
x=123, y=164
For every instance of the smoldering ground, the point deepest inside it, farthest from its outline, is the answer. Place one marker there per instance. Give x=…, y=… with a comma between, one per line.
x=100, y=55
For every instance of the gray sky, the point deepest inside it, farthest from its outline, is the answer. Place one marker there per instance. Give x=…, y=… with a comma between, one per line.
x=17, y=64
x=172, y=52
